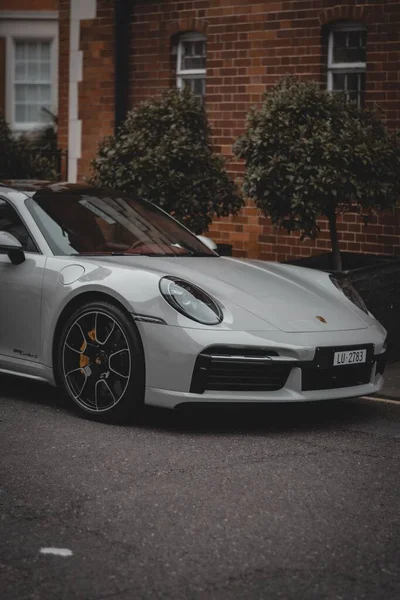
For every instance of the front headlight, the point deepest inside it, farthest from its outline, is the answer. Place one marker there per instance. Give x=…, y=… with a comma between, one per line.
x=349, y=291
x=190, y=301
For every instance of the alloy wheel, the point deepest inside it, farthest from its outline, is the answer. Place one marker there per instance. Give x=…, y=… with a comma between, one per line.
x=96, y=361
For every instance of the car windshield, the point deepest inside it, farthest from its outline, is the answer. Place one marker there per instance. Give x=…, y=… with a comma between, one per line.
x=105, y=223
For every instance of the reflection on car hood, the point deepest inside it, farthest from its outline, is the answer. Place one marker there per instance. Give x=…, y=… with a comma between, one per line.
x=288, y=298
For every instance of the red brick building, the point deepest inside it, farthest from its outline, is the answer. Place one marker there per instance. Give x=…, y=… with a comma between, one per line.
x=113, y=54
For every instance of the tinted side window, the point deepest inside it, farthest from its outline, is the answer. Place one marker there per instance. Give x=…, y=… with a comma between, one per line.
x=11, y=222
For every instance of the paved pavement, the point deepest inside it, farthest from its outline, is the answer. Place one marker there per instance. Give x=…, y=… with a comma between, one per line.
x=391, y=388
x=274, y=502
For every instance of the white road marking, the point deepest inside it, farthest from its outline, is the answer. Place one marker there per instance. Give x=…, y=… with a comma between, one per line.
x=56, y=551
x=377, y=399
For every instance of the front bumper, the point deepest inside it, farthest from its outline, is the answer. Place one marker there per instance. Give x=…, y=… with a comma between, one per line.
x=172, y=352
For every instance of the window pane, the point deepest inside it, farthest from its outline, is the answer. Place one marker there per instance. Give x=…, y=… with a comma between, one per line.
x=33, y=50
x=45, y=71
x=20, y=93
x=32, y=93
x=355, y=39
x=339, y=81
x=349, y=46
x=44, y=93
x=33, y=71
x=194, y=62
x=20, y=114
x=352, y=84
x=45, y=51
x=339, y=41
x=19, y=50
x=351, y=55
x=353, y=80
x=44, y=116
x=200, y=48
x=188, y=48
x=20, y=71
x=32, y=113
x=198, y=87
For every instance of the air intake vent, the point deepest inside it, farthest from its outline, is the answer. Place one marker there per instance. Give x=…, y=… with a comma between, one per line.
x=238, y=369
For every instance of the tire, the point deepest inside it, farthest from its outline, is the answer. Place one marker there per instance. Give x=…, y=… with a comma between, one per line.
x=100, y=363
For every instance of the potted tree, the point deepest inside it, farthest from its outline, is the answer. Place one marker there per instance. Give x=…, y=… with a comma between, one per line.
x=163, y=152
x=311, y=154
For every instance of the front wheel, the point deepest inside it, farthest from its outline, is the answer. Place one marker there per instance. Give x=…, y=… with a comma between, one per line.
x=101, y=363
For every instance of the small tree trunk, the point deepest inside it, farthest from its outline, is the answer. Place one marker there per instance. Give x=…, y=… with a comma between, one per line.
x=336, y=258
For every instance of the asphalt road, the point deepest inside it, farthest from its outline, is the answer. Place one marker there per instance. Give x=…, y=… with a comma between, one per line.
x=293, y=502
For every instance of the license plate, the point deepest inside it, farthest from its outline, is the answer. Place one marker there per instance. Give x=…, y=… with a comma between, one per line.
x=349, y=357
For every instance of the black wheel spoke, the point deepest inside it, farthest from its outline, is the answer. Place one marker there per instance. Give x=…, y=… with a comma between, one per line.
x=105, y=327
x=77, y=380
x=115, y=342
x=119, y=363
x=88, y=393
x=116, y=384
x=106, y=391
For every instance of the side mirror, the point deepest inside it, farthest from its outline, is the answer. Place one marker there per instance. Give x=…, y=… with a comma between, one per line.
x=12, y=247
x=208, y=242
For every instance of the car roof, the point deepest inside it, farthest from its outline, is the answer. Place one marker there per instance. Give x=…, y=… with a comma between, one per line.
x=41, y=188
x=24, y=185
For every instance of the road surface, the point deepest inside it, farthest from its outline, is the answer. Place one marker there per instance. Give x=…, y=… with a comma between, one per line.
x=274, y=502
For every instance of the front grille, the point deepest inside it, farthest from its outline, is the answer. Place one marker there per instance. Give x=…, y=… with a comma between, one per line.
x=246, y=377
x=335, y=377
x=238, y=369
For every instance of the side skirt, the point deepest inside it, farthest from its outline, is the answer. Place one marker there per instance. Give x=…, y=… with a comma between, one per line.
x=27, y=369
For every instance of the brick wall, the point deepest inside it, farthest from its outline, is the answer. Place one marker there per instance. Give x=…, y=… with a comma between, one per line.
x=96, y=91
x=250, y=45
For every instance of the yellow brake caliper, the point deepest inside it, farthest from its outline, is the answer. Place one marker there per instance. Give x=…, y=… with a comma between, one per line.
x=83, y=359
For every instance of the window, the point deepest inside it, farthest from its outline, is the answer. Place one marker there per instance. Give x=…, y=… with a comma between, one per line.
x=191, y=63
x=32, y=82
x=31, y=41
x=11, y=222
x=347, y=61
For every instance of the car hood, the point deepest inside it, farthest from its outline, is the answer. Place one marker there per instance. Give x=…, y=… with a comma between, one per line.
x=286, y=297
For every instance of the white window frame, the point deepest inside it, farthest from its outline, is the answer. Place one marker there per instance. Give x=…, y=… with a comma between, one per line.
x=182, y=74
x=343, y=67
x=30, y=27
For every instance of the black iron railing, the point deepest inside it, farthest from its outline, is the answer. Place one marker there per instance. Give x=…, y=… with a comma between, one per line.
x=46, y=163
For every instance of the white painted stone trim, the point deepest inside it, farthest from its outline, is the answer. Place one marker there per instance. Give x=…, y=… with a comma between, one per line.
x=79, y=11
